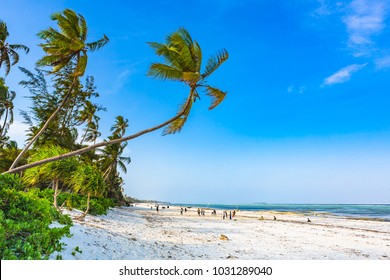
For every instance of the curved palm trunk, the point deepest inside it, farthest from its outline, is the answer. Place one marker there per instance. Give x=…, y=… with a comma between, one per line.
x=105, y=143
x=16, y=161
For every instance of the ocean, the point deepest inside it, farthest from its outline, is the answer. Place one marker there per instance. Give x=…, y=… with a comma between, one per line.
x=380, y=211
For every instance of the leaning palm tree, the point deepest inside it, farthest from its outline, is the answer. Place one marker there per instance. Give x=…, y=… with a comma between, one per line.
x=6, y=108
x=63, y=47
x=8, y=52
x=183, y=63
x=88, y=180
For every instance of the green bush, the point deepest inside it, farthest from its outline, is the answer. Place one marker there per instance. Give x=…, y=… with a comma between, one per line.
x=98, y=205
x=25, y=219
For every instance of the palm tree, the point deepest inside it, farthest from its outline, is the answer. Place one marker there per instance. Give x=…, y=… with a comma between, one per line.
x=87, y=179
x=54, y=172
x=8, y=52
x=88, y=114
x=183, y=59
x=6, y=109
x=63, y=47
x=183, y=63
x=111, y=159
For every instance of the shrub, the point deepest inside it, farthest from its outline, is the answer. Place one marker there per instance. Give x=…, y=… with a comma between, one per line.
x=25, y=219
x=98, y=205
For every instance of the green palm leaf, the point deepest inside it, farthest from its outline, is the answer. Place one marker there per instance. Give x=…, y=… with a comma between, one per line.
x=216, y=95
x=214, y=62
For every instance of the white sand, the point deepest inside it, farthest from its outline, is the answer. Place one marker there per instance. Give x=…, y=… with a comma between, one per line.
x=139, y=233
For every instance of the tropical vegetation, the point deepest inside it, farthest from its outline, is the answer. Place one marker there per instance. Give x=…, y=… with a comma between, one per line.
x=63, y=164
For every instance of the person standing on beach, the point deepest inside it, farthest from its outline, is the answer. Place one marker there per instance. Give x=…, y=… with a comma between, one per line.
x=234, y=213
x=230, y=215
x=198, y=212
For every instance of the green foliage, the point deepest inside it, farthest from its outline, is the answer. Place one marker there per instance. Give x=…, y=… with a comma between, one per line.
x=26, y=219
x=57, y=170
x=98, y=205
x=67, y=43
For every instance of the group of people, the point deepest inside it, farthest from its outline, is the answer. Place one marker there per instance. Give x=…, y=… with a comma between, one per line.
x=231, y=214
x=181, y=210
x=201, y=212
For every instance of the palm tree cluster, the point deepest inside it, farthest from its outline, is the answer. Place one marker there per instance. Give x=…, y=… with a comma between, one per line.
x=63, y=104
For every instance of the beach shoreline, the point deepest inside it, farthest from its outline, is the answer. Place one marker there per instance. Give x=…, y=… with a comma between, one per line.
x=143, y=233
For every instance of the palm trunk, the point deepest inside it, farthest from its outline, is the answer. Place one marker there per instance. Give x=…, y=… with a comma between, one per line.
x=104, y=143
x=55, y=186
x=3, y=130
x=16, y=161
x=85, y=135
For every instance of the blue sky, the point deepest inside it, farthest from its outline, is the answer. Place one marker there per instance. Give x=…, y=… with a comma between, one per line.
x=306, y=118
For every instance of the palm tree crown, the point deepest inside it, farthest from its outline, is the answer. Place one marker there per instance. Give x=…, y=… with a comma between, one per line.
x=69, y=43
x=183, y=62
x=8, y=54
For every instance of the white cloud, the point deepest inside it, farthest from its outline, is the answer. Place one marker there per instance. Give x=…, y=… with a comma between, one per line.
x=343, y=74
x=327, y=7
x=383, y=62
x=364, y=19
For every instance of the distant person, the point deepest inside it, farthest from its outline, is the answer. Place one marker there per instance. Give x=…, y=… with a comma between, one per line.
x=274, y=218
x=181, y=211
x=157, y=207
x=198, y=212
x=230, y=215
x=185, y=209
x=234, y=213
x=308, y=220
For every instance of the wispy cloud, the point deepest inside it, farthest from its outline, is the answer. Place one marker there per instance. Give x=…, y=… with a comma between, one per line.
x=294, y=89
x=343, y=74
x=326, y=7
x=382, y=63
x=364, y=19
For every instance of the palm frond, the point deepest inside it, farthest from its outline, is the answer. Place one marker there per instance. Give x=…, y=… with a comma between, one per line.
x=217, y=96
x=19, y=47
x=177, y=125
x=162, y=71
x=81, y=65
x=14, y=55
x=98, y=44
x=214, y=62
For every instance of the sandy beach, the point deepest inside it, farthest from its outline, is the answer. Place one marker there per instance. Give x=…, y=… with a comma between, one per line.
x=142, y=233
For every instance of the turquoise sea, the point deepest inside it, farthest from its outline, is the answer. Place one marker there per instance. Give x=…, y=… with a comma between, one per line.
x=380, y=211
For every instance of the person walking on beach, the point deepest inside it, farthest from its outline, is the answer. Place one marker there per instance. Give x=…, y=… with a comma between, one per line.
x=181, y=211
x=234, y=213
x=230, y=215
x=198, y=212
x=157, y=207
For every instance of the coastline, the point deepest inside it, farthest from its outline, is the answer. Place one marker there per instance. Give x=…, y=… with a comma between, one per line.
x=142, y=233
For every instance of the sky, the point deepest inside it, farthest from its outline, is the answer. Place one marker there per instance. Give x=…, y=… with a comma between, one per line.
x=306, y=118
